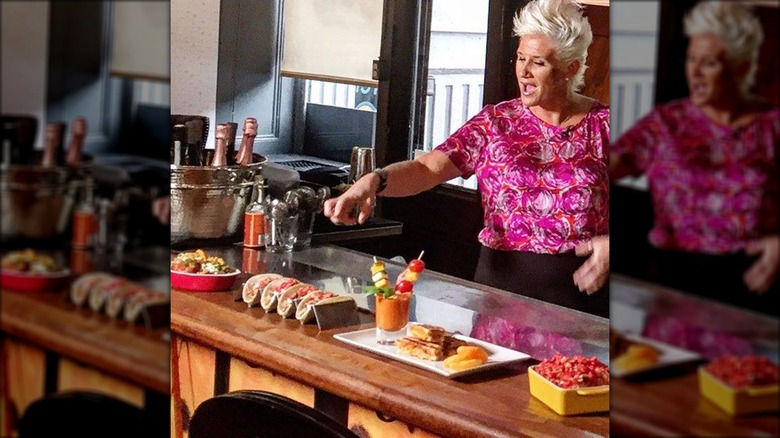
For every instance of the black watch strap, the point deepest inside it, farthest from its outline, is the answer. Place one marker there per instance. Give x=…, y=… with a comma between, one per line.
x=382, y=174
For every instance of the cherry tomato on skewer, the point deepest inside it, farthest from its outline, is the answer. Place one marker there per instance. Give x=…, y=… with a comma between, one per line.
x=416, y=265
x=404, y=286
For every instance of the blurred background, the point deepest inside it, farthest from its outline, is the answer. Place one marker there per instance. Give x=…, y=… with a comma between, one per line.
x=85, y=138
x=671, y=333
x=63, y=60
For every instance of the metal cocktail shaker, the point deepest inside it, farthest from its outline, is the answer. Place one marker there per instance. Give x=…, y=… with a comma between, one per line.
x=361, y=163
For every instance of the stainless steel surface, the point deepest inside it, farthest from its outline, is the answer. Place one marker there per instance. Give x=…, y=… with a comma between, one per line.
x=36, y=202
x=534, y=327
x=361, y=163
x=354, y=233
x=209, y=202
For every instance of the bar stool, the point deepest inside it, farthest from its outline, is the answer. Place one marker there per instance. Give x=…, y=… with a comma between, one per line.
x=85, y=414
x=251, y=414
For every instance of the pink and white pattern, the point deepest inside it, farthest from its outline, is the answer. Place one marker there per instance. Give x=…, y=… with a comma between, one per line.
x=544, y=188
x=714, y=187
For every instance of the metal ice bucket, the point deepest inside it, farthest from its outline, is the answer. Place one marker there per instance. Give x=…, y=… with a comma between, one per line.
x=36, y=202
x=209, y=202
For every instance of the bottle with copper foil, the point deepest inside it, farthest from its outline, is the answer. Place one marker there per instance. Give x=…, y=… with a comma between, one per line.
x=85, y=218
x=78, y=131
x=244, y=155
x=254, y=217
x=52, y=148
x=220, y=150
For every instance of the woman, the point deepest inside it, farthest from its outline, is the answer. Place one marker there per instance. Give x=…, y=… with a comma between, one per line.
x=541, y=165
x=712, y=164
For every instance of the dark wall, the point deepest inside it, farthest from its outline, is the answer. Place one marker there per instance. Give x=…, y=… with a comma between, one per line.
x=249, y=84
x=78, y=79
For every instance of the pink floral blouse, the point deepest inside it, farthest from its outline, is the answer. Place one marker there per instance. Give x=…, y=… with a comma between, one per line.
x=714, y=188
x=544, y=188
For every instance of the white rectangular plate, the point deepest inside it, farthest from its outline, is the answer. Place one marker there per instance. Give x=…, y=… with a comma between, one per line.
x=497, y=355
x=669, y=356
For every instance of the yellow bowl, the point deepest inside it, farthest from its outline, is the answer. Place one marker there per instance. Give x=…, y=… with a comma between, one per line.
x=568, y=401
x=750, y=400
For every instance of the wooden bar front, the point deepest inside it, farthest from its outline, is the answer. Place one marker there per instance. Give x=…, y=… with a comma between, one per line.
x=222, y=345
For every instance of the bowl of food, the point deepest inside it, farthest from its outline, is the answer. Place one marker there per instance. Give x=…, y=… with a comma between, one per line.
x=29, y=271
x=571, y=385
x=198, y=272
x=741, y=385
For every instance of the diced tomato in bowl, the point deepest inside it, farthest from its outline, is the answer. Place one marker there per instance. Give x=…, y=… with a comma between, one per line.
x=741, y=385
x=571, y=385
x=743, y=371
x=574, y=372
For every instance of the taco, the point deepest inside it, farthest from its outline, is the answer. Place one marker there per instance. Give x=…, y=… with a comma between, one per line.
x=286, y=303
x=254, y=287
x=270, y=295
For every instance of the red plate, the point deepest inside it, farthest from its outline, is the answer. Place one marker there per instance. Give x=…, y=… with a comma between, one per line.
x=29, y=282
x=203, y=282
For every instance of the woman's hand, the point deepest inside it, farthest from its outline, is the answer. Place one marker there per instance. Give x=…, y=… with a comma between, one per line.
x=161, y=209
x=341, y=210
x=762, y=275
x=595, y=271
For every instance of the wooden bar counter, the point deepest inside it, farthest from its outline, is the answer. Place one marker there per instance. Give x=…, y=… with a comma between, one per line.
x=667, y=402
x=49, y=345
x=220, y=345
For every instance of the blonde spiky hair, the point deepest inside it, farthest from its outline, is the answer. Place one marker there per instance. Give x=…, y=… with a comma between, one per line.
x=563, y=22
x=737, y=28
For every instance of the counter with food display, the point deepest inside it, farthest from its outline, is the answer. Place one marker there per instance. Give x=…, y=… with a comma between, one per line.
x=64, y=329
x=688, y=366
x=226, y=340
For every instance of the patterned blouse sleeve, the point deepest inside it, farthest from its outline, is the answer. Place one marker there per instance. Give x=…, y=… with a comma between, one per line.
x=466, y=144
x=636, y=146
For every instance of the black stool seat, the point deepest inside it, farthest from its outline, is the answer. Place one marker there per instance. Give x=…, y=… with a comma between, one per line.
x=83, y=414
x=258, y=414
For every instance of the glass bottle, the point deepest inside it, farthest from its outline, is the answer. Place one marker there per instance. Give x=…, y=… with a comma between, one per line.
x=232, y=130
x=244, y=156
x=78, y=132
x=52, y=149
x=85, y=219
x=220, y=150
x=254, y=217
x=178, y=144
x=194, y=151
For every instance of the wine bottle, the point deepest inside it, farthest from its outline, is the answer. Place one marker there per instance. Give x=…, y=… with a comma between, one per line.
x=220, y=150
x=52, y=149
x=254, y=217
x=232, y=130
x=194, y=151
x=85, y=218
x=78, y=132
x=178, y=144
x=244, y=156
x=7, y=152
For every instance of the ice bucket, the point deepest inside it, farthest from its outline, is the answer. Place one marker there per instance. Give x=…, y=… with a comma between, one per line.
x=36, y=202
x=208, y=202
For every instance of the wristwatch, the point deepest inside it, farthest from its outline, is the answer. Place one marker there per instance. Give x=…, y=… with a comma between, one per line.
x=382, y=174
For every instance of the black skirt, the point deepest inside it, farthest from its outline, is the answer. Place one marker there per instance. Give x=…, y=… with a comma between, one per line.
x=546, y=277
x=717, y=277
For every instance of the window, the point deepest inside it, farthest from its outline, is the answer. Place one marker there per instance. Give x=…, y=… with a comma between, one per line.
x=341, y=95
x=456, y=71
